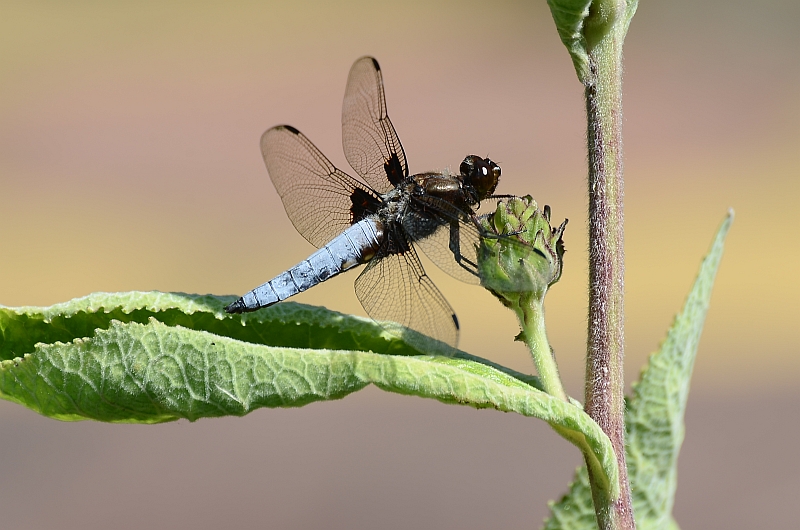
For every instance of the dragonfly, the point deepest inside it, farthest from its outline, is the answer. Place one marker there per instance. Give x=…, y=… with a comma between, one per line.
x=379, y=220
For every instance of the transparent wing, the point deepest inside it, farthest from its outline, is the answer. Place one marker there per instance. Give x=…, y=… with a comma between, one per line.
x=453, y=247
x=453, y=243
x=395, y=287
x=320, y=200
x=447, y=235
x=370, y=142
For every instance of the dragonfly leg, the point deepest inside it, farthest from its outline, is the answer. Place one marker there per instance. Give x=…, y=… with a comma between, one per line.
x=455, y=247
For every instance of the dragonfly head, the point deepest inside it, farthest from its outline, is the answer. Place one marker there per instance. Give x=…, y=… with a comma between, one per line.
x=480, y=173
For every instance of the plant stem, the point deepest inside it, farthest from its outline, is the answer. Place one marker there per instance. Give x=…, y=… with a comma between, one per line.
x=532, y=323
x=605, y=344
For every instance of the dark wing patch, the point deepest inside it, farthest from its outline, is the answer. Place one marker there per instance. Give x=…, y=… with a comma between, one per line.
x=394, y=170
x=364, y=204
x=319, y=199
x=369, y=139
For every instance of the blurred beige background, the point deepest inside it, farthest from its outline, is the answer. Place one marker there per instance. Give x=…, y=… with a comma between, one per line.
x=129, y=160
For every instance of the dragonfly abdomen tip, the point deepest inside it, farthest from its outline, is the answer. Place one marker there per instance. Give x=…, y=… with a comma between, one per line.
x=237, y=307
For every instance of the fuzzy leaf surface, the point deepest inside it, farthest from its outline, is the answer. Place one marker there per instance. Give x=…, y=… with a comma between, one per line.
x=582, y=24
x=654, y=417
x=570, y=17
x=156, y=357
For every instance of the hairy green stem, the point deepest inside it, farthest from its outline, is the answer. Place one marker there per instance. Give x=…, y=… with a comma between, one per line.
x=593, y=32
x=531, y=318
x=535, y=336
x=605, y=344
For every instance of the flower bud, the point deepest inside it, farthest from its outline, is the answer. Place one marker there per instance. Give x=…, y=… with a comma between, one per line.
x=524, y=255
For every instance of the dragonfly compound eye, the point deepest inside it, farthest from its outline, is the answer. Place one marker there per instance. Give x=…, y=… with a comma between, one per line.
x=481, y=173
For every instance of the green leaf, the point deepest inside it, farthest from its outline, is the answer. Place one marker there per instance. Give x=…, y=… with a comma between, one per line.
x=654, y=417
x=155, y=357
x=287, y=324
x=575, y=510
x=582, y=24
x=570, y=16
x=655, y=412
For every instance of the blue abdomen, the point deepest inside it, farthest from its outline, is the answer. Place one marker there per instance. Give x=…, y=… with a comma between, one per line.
x=356, y=245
